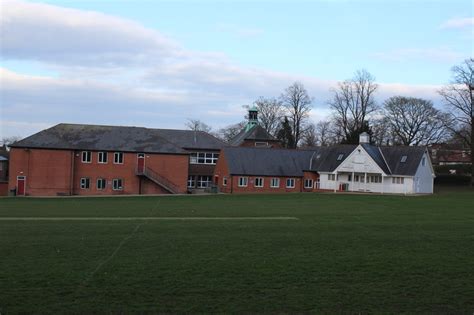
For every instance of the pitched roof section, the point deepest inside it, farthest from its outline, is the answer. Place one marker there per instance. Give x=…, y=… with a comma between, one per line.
x=118, y=138
x=376, y=154
x=257, y=133
x=325, y=159
x=393, y=156
x=267, y=162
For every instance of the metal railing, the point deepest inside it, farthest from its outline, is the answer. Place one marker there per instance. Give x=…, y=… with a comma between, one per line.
x=158, y=179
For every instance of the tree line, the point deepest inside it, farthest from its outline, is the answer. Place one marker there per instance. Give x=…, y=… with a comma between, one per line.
x=399, y=120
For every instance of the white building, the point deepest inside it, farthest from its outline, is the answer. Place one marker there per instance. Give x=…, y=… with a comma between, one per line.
x=369, y=168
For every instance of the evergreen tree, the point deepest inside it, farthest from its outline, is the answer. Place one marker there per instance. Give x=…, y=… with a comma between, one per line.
x=285, y=134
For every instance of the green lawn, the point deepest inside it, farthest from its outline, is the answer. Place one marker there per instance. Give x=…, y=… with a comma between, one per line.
x=344, y=253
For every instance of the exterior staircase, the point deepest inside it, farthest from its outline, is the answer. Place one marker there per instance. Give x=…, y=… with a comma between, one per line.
x=158, y=179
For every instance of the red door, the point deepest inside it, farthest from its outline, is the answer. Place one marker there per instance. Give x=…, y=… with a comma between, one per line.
x=140, y=162
x=20, y=184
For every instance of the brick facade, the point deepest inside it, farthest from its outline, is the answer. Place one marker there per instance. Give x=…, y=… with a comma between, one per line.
x=59, y=172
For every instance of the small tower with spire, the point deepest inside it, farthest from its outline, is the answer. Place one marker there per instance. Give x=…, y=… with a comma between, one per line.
x=253, y=118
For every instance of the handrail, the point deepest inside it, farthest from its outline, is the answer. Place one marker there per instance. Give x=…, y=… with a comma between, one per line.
x=163, y=181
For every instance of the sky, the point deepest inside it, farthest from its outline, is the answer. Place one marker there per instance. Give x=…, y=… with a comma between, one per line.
x=159, y=63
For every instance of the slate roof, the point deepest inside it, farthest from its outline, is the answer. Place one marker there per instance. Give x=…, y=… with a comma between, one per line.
x=119, y=138
x=256, y=133
x=266, y=161
x=393, y=156
x=376, y=154
x=4, y=154
x=325, y=158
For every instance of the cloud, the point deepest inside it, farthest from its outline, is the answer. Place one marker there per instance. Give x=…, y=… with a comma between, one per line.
x=115, y=71
x=458, y=23
x=54, y=34
x=440, y=54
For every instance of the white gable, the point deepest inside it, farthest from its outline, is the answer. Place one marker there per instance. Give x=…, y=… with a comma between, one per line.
x=359, y=161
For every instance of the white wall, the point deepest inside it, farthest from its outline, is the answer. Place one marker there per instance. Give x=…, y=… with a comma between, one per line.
x=423, y=181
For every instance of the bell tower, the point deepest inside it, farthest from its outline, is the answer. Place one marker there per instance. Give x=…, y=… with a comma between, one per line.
x=253, y=118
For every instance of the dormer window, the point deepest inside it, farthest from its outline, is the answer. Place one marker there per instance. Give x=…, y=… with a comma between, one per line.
x=404, y=159
x=340, y=156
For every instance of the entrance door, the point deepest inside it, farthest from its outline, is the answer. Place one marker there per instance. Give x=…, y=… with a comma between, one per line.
x=20, y=185
x=140, y=162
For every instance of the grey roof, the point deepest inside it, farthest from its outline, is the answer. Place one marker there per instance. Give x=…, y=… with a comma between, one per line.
x=119, y=138
x=325, y=158
x=377, y=156
x=257, y=133
x=2, y=158
x=266, y=161
x=393, y=156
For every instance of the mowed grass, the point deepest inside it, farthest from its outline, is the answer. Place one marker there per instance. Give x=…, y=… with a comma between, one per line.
x=345, y=253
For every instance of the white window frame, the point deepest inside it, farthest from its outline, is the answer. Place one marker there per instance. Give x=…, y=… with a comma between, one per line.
x=275, y=182
x=203, y=181
x=191, y=181
x=102, y=157
x=115, y=183
x=85, y=183
x=398, y=180
x=292, y=182
x=261, y=180
x=86, y=154
x=243, y=181
x=118, y=156
x=208, y=158
x=310, y=181
x=224, y=181
x=331, y=177
x=102, y=180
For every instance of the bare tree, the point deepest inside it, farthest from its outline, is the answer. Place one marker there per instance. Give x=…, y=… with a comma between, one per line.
x=381, y=131
x=6, y=141
x=270, y=113
x=458, y=97
x=324, y=133
x=353, y=103
x=309, y=136
x=414, y=121
x=298, y=105
x=197, y=125
x=229, y=132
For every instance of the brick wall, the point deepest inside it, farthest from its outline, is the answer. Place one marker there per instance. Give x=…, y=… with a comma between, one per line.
x=53, y=172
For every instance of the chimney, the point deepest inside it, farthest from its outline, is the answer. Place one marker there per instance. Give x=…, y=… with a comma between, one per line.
x=364, y=138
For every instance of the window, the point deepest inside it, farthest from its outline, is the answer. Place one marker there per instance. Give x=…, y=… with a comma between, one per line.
x=423, y=161
x=340, y=156
x=243, y=181
x=404, y=159
x=204, y=181
x=375, y=179
x=118, y=158
x=85, y=183
x=308, y=183
x=191, y=181
x=101, y=183
x=261, y=144
x=102, y=157
x=398, y=180
x=117, y=184
x=86, y=157
x=290, y=183
x=275, y=183
x=224, y=181
x=258, y=181
x=331, y=176
x=203, y=158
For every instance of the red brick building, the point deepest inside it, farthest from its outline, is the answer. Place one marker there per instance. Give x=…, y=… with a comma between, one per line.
x=70, y=159
x=265, y=170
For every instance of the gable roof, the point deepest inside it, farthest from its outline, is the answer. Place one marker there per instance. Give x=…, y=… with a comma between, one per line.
x=376, y=155
x=266, y=161
x=256, y=133
x=325, y=159
x=393, y=156
x=118, y=138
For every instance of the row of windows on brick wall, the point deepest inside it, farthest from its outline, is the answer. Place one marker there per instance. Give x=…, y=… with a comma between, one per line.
x=102, y=157
x=101, y=183
x=203, y=158
x=274, y=182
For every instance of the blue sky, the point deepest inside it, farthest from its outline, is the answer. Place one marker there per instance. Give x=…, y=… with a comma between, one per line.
x=157, y=63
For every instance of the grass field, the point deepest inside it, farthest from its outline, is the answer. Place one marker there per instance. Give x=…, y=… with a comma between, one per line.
x=297, y=253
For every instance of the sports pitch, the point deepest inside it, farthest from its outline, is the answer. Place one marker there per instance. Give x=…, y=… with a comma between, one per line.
x=294, y=253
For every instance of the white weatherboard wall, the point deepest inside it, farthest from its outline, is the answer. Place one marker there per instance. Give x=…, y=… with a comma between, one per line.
x=424, y=177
